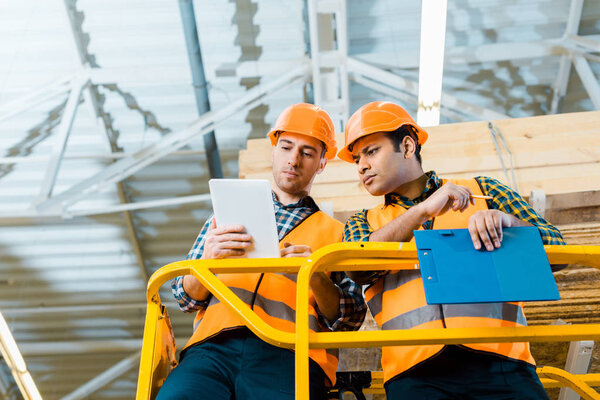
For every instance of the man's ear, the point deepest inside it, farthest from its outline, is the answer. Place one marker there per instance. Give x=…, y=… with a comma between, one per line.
x=408, y=146
x=322, y=165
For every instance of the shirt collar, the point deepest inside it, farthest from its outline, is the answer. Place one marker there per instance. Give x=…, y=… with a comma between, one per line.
x=306, y=201
x=433, y=183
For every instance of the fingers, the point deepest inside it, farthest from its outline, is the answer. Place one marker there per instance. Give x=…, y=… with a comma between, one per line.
x=485, y=228
x=224, y=253
x=295, y=250
x=226, y=241
x=229, y=229
x=473, y=231
x=461, y=196
x=494, y=228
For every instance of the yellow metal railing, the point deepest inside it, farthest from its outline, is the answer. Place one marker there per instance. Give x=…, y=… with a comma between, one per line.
x=158, y=346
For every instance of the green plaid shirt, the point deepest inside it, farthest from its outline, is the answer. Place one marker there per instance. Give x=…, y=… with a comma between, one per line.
x=505, y=199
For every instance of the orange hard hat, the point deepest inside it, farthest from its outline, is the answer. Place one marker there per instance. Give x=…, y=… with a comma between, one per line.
x=377, y=116
x=306, y=119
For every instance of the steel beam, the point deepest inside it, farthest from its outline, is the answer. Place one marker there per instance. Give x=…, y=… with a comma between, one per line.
x=15, y=313
x=588, y=43
x=60, y=140
x=14, y=359
x=104, y=378
x=117, y=155
x=75, y=347
x=35, y=97
x=404, y=97
x=140, y=205
x=169, y=143
x=564, y=68
x=410, y=87
x=188, y=19
x=461, y=55
x=589, y=80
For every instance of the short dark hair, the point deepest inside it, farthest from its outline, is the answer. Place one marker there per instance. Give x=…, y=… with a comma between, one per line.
x=399, y=134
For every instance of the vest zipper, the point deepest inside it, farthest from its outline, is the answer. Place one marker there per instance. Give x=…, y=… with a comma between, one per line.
x=442, y=314
x=256, y=291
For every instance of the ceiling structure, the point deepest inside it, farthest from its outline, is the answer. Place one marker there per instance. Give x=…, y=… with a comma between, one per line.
x=103, y=168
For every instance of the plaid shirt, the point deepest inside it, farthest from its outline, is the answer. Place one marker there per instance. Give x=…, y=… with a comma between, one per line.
x=352, y=304
x=505, y=199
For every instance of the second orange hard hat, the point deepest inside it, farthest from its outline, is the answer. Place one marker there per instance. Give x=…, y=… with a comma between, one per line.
x=377, y=116
x=306, y=119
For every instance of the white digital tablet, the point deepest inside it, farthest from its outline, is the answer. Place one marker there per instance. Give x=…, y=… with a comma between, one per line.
x=248, y=202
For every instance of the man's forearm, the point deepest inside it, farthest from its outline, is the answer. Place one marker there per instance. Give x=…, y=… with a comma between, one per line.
x=400, y=229
x=326, y=295
x=194, y=288
x=514, y=221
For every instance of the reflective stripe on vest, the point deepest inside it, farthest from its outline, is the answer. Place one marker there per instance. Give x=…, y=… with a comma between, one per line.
x=277, y=309
x=398, y=301
x=275, y=299
x=422, y=315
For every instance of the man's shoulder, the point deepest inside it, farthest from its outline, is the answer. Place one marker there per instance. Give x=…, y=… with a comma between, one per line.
x=325, y=218
x=362, y=214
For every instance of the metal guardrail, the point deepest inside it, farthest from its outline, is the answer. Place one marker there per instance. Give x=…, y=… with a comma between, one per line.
x=158, y=350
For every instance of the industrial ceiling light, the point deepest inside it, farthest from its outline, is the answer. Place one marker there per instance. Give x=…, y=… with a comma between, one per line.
x=431, y=63
x=16, y=363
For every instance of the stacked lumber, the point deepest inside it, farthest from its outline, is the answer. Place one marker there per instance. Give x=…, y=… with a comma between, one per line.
x=555, y=153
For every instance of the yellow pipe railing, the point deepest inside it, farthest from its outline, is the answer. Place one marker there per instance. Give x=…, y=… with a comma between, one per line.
x=361, y=257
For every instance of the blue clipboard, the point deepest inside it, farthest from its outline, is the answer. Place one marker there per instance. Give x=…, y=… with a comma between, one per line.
x=454, y=272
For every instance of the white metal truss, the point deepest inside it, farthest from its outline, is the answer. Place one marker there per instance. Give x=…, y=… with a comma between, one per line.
x=564, y=69
x=60, y=138
x=329, y=51
x=106, y=377
x=13, y=358
x=589, y=80
x=169, y=143
x=35, y=97
x=381, y=80
x=330, y=69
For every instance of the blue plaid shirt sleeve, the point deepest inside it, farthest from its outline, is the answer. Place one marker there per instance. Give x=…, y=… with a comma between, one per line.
x=185, y=302
x=357, y=229
x=352, y=304
x=507, y=200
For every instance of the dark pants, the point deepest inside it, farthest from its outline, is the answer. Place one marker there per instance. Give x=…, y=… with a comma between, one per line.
x=457, y=373
x=238, y=367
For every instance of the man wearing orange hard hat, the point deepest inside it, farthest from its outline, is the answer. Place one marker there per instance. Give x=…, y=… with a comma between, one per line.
x=223, y=359
x=385, y=143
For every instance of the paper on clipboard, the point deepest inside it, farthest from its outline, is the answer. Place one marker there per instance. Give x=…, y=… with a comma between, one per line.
x=248, y=202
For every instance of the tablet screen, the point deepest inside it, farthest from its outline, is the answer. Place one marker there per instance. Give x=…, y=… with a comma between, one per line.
x=248, y=202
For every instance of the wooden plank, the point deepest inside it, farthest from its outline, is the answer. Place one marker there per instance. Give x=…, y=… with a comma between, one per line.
x=555, y=153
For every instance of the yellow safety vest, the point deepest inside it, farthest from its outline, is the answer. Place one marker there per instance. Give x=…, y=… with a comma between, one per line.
x=398, y=301
x=274, y=294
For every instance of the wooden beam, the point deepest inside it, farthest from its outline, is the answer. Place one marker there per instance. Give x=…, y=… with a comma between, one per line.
x=556, y=153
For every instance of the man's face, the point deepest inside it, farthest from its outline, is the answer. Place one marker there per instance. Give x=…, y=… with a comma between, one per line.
x=296, y=161
x=381, y=169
